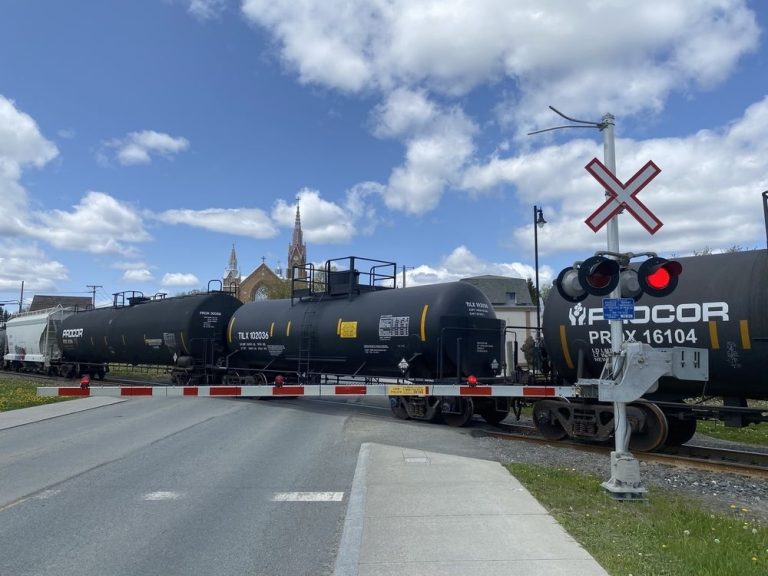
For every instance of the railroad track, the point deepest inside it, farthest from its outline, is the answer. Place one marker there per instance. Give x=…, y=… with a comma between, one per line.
x=744, y=462
x=60, y=381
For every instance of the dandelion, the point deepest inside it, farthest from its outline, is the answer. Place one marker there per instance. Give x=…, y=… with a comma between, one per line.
x=686, y=532
x=754, y=530
x=733, y=506
x=717, y=540
x=745, y=510
x=754, y=558
x=663, y=545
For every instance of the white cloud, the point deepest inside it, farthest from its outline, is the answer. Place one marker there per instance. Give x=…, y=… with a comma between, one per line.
x=719, y=171
x=207, y=9
x=21, y=145
x=250, y=222
x=322, y=222
x=629, y=54
x=622, y=56
x=98, y=223
x=179, y=279
x=139, y=147
x=462, y=263
x=24, y=261
x=138, y=275
x=438, y=145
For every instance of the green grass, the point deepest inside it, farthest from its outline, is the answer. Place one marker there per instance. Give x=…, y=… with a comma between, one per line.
x=752, y=434
x=667, y=535
x=20, y=392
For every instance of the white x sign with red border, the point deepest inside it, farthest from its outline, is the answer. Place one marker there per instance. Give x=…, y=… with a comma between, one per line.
x=620, y=196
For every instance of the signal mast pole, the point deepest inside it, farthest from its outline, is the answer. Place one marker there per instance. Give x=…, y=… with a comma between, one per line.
x=617, y=330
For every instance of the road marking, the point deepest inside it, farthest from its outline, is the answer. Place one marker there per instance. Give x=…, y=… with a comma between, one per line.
x=307, y=496
x=45, y=494
x=154, y=496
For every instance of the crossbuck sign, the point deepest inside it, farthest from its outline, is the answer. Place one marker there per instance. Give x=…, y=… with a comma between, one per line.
x=619, y=196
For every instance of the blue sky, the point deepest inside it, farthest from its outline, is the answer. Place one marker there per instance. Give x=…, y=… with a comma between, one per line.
x=140, y=140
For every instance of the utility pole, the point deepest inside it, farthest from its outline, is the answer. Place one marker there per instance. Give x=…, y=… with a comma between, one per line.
x=21, y=298
x=93, y=293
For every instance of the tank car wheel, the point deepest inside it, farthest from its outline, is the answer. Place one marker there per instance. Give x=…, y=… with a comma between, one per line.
x=547, y=426
x=680, y=431
x=398, y=408
x=461, y=418
x=491, y=415
x=653, y=433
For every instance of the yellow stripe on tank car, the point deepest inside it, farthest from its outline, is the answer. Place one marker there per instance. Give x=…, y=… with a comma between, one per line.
x=271, y=329
x=124, y=344
x=564, y=344
x=184, y=344
x=424, y=322
x=713, y=340
x=746, y=343
x=288, y=329
x=229, y=329
x=338, y=327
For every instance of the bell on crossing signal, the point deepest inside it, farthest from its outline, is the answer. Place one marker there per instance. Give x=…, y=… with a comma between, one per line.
x=658, y=276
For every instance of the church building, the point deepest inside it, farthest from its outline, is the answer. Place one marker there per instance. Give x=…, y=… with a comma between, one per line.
x=263, y=282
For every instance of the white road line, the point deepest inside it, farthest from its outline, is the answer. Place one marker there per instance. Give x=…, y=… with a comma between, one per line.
x=307, y=496
x=154, y=496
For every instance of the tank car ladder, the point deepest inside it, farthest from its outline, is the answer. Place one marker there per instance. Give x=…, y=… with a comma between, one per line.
x=305, y=345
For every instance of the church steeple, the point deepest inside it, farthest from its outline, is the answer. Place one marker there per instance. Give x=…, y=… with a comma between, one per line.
x=231, y=280
x=232, y=268
x=297, y=250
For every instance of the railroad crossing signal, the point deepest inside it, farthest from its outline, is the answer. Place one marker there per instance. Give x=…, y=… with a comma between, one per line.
x=599, y=276
x=623, y=196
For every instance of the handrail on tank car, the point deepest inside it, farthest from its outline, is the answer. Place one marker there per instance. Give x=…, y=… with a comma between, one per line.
x=135, y=297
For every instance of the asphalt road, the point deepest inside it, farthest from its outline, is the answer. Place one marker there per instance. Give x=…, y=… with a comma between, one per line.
x=192, y=486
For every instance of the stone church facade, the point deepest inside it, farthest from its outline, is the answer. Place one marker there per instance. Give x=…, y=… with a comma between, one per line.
x=263, y=282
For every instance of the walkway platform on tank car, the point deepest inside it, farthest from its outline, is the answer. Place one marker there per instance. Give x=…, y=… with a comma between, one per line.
x=421, y=513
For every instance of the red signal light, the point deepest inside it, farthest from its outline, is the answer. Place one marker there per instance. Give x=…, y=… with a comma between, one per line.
x=659, y=279
x=599, y=275
x=472, y=380
x=658, y=276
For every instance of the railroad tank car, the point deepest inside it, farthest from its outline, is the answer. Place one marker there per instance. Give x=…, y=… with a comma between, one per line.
x=720, y=304
x=32, y=341
x=444, y=332
x=441, y=331
x=183, y=331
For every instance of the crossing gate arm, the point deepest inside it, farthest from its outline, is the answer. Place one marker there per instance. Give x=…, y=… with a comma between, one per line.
x=310, y=391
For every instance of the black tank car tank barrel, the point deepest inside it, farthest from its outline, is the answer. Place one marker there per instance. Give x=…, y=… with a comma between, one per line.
x=441, y=331
x=720, y=303
x=154, y=332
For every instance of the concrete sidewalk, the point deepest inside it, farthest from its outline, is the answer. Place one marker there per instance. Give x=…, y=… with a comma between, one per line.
x=14, y=418
x=414, y=513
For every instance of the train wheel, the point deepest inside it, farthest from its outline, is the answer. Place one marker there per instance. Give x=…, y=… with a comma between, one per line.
x=680, y=431
x=491, y=415
x=651, y=432
x=546, y=422
x=466, y=410
x=398, y=408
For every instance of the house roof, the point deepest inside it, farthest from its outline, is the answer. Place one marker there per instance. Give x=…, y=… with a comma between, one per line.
x=503, y=290
x=40, y=302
